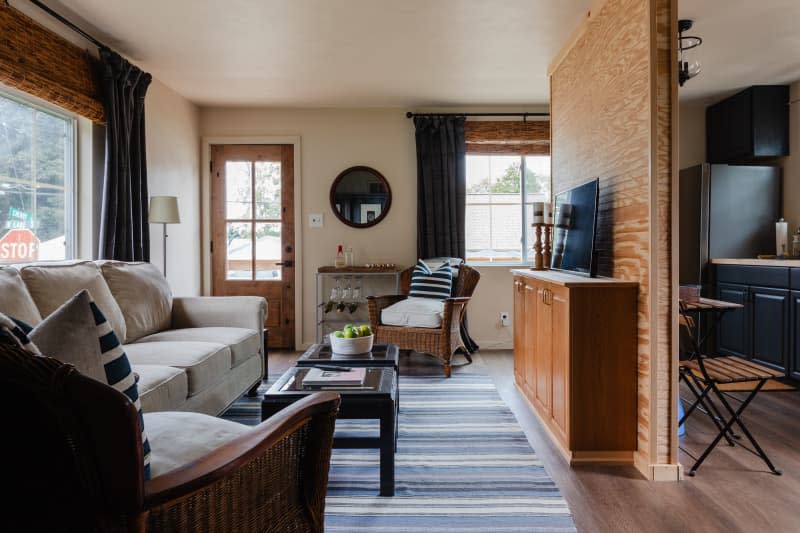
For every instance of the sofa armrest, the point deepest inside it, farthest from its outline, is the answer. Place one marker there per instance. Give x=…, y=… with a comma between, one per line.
x=231, y=311
x=277, y=473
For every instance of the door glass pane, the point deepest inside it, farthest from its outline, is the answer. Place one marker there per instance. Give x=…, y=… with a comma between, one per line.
x=268, y=250
x=238, y=196
x=268, y=190
x=239, y=258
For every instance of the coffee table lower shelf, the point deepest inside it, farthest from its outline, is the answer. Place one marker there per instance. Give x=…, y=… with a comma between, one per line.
x=375, y=404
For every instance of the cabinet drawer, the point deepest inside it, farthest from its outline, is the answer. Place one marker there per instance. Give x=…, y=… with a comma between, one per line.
x=754, y=275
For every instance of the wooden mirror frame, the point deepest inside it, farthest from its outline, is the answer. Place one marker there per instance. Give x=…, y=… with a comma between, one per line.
x=378, y=175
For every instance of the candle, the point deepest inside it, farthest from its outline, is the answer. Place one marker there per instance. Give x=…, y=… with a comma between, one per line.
x=538, y=212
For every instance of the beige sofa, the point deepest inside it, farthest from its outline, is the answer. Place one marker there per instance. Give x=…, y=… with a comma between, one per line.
x=190, y=353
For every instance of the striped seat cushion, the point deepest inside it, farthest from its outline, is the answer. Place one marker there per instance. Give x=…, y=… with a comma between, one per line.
x=435, y=284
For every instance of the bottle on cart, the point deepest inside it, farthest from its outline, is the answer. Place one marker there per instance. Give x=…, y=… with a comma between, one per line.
x=339, y=261
x=349, y=258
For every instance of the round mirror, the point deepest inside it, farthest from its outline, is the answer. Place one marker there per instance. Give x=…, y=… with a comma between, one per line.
x=360, y=197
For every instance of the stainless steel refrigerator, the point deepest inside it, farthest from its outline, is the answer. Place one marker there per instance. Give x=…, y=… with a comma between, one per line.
x=726, y=211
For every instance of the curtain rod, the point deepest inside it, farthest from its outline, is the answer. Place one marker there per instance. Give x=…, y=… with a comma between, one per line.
x=68, y=24
x=523, y=115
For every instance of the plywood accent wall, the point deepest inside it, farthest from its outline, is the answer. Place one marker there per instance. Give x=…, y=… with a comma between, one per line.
x=611, y=117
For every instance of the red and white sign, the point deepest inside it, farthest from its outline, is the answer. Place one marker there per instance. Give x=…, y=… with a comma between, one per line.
x=19, y=245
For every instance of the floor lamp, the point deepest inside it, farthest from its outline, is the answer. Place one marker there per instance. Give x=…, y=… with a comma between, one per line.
x=164, y=210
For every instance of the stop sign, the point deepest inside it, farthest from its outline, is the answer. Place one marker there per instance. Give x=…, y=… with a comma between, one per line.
x=19, y=245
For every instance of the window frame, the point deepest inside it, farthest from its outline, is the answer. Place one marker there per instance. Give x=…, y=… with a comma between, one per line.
x=527, y=253
x=71, y=206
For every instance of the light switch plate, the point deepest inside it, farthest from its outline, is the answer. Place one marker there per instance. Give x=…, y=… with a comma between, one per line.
x=315, y=220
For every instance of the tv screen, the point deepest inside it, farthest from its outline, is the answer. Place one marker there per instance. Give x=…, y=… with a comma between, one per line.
x=574, y=223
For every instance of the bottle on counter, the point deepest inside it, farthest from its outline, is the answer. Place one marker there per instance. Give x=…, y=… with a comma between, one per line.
x=339, y=262
x=796, y=243
x=349, y=258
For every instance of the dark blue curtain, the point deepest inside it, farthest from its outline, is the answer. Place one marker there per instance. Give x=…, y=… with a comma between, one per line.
x=441, y=186
x=124, y=233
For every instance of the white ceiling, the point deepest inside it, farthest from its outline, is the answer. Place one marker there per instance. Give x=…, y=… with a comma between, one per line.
x=745, y=42
x=408, y=53
x=339, y=53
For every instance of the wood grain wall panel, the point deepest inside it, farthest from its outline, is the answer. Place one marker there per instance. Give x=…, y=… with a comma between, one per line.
x=607, y=121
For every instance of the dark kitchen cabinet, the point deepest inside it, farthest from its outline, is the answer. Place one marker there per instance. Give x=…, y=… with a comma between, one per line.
x=748, y=126
x=763, y=329
x=794, y=302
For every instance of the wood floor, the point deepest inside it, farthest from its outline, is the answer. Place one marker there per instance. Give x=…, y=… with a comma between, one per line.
x=733, y=491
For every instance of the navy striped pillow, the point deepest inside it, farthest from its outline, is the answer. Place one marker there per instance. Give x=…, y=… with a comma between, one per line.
x=119, y=374
x=426, y=284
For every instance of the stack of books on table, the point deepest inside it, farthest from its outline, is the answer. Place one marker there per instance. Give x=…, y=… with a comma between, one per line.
x=322, y=377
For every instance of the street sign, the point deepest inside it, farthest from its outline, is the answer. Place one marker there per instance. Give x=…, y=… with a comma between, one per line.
x=19, y=245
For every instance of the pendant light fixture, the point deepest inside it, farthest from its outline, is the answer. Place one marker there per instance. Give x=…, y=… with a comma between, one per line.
x=686, y=70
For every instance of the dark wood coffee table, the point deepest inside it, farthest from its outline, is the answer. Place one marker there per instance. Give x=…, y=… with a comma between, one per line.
x=377, y=399
x=381, y=355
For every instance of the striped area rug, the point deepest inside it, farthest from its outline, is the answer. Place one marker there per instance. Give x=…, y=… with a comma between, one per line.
x=463, y=465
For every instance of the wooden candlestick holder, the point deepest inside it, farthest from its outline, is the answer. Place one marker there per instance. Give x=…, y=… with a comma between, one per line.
x=548, y=245
x=542, y=249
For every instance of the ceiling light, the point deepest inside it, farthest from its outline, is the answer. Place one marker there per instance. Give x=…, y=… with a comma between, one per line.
x=686, y=70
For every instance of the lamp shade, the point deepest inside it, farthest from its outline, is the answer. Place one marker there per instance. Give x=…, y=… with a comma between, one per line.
x=164, y=210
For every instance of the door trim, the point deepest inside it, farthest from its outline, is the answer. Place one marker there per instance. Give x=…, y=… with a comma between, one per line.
x=205, y=216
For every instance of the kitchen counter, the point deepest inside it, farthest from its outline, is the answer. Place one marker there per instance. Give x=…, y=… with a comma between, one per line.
x=758, y=262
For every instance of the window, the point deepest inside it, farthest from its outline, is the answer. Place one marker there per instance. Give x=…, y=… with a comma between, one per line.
x=500, y=205
x=36, y=182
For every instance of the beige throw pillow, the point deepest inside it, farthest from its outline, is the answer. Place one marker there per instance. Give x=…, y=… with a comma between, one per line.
x=15, y=300
x=52, y=285
x=143, y=295
x=69, y=334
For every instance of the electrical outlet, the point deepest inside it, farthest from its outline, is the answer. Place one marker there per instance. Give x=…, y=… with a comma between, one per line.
x=504, y=319
x=315, y=220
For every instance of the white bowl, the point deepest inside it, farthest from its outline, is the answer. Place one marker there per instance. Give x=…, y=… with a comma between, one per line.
x=351, y=346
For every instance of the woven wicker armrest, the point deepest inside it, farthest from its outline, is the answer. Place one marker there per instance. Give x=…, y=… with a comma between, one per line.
x=245, y=483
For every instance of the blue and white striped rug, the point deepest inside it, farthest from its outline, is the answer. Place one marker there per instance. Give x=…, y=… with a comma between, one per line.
x=463, y=464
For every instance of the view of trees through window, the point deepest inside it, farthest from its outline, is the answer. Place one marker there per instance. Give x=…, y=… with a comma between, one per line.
x=496, y=211
x=36, y=161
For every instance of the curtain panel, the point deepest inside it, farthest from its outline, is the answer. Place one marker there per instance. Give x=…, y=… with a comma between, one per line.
x=124, y=232
x=441, y=186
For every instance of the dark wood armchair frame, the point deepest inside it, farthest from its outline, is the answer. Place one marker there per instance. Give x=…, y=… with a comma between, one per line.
x=441, y=342
x=75, y=456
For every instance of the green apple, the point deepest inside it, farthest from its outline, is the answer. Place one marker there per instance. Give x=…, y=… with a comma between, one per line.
x=338, y=334
x=365, y=331
x=349, y=334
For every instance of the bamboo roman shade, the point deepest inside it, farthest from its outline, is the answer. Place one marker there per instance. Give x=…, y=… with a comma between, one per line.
x=508, y=137
x=37, y=61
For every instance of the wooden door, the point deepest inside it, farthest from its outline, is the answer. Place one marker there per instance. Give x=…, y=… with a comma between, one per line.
x=770, y=326
x=561, y=350
x=530, y=355
x=252, y=228
x=543, y=348
x=519, y=331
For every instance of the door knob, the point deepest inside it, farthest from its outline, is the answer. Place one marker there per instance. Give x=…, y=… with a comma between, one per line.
x=287, y=263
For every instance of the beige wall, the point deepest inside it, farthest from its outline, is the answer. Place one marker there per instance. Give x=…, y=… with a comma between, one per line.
x=173, y=169
x=692, y=134
x=332, y=140
x=791, y=164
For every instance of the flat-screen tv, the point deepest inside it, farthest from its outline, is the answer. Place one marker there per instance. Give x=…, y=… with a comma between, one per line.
x=574, y=228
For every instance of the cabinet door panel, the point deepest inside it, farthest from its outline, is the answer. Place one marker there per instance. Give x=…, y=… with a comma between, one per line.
x=561, y=362
x=795, y=318
x=531, y=318
x=519, y=331
x=770, y=314
x=543, y=349
x=732, y=332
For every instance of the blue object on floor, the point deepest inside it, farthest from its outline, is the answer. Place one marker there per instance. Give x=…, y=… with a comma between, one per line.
x=681, y=428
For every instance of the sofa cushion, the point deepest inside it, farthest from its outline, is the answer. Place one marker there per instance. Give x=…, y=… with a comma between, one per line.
x=161, y=388
x=70, y=335
x=143, y=295
x=415, y=313
x=52, y=285
x=15, y=300
x=179, y=438
x=436, y=284
x=242, y=342
x=205, y=363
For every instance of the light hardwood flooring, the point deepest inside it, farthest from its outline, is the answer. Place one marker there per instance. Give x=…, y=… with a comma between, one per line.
x=732, y=492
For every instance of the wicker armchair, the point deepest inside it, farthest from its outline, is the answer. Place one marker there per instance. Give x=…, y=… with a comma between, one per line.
x=440, y=342
x=73, y=457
